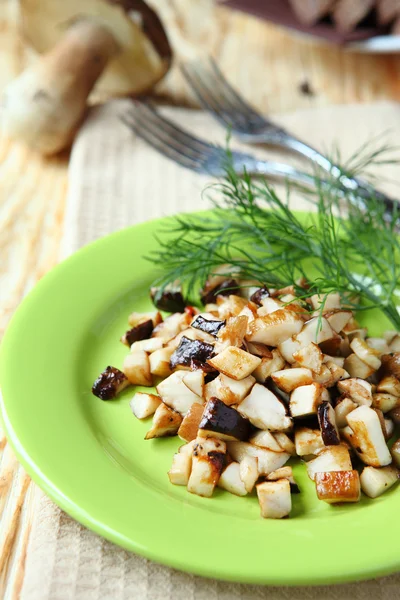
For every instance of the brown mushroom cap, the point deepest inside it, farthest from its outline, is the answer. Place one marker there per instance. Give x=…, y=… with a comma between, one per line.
x=145, y=54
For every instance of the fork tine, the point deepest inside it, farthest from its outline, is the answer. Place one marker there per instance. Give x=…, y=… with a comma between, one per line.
x=238, y=101
x=206, y=99
x=160, y=145
x=156, y=124
x=174, y=130
x=216, y=94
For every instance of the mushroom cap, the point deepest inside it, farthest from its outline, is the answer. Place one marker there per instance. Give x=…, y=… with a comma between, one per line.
x=145, y=54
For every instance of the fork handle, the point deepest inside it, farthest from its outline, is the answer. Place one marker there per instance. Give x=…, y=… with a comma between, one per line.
x=364, y=189
x=276, y=170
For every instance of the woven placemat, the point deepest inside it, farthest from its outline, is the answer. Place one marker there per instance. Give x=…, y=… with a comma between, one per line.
x=115, y=181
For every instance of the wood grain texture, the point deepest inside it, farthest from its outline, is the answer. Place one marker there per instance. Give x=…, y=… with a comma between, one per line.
x=268, y=64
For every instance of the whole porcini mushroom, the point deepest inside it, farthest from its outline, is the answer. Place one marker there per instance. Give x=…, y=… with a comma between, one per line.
x=118, y=46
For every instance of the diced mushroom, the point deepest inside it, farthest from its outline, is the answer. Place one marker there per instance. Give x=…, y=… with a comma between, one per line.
x=389, y=385
x=189, y=350
x=342, y=409
x=378, y=344
x=338, y=318
x=316, y=330
x=381, y=417
x=191, y=421
x=110, y=383
x=276, y=327
x=232, y=334
x=338, y=486
x=285, y=473
x=309, y=357
x=179, y=472
x=357, y=389
x=144, y=405
x=137, y=368
x=268, y=460
x=231, y=391
x=290, y=379
x=305, y=399
x=288, y=349
x=327, y=423
x=149, y=346
x=329, y=301
x=194, y=380
x=248, y=472
x=368, y=439
x=259, y=295
x=265, y=439
x=142, y=331
x=231, y=481
x=333, y=345
x=211, y=326
x=210, y=390
x=338, y=360
x=136, y=318
x=338, y=373
x=374, y=482
x=394, y=345
x=274, y=499
x=166, y=422
x=308, y=441
x=264, y=410
x=172, y=325
x=395, y=451
x=176, y=394
x=357, y=368
x=269, y=366
x=249, y=312
x=208, y=460
x=169, y=298
x=159, y=362
x=285, y=442
x=230, y=306
x=391, y=364
x=332, y=458
x=365, y=353
x=268, y=306
x=235, y=363
x=325, y=377
x=223, y=422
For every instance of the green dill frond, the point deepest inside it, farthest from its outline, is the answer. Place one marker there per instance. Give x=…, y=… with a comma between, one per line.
x=337, y=247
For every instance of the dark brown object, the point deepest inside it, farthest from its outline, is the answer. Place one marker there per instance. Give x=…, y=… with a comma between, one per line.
x=259, y=295
x=170, y=299
x=109, y=383
x=189, y=350
x=211, y=327
x=141, y=332
x=326, y=419
x=223, y=422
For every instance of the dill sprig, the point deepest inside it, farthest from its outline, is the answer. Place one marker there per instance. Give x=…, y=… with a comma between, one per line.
x=338, y=246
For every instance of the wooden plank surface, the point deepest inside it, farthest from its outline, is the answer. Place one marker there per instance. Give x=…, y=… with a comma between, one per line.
x=266, y=63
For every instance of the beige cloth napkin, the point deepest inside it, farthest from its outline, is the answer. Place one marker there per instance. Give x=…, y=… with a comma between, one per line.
x=116, y=180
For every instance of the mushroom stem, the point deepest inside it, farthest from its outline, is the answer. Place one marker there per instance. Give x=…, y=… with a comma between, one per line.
x=45, y=105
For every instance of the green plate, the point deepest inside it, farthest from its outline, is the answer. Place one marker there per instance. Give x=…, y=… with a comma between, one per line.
x=90, y=457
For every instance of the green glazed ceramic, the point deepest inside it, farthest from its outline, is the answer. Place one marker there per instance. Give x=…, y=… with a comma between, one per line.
x=90, y=456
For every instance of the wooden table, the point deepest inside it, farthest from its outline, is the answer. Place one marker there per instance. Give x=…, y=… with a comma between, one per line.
x=267, y=63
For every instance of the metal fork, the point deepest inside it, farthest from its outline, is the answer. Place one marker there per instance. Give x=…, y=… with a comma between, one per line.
x=199, y=155
x=219, y=98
